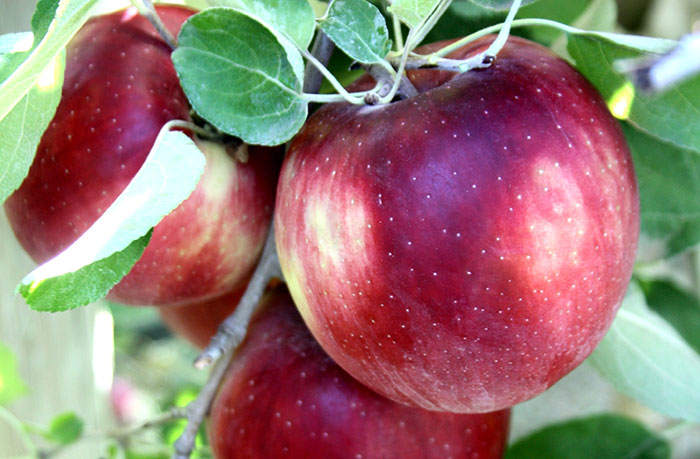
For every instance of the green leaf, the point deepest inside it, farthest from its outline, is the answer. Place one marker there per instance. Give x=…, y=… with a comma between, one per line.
x=603, y=436
x=238, y=77
x=680, y=308
x=294, y=19
x=500, y=4
x=599, y=15
x=65, y=429
x=359, y=29
x=669, y=186
x=585, y=15
x=412, y=12
x=69, y=290
x=93, y=264
x=43, y=16
x=645, y=357
x=23, y=126
x=11, y=384
x=19, y=76
x=673, y=115
x=555, y=10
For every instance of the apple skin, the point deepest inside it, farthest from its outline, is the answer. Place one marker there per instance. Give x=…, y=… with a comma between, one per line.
x=464, y=249
x=120, y=88
x=284, y=397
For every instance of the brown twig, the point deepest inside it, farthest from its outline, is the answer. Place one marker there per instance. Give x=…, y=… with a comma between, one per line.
x=233, y=329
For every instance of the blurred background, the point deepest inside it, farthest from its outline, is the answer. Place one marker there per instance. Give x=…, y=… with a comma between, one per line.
x=115, y=366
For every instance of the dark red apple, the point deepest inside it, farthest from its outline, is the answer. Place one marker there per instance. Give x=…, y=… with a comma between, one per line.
x=284, y=397
x=463, y=249
x=120, y=88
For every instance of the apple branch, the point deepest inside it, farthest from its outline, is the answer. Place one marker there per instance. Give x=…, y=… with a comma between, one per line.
x=223, y=345
x=233, y=329
x=198, y=409
x=147, y=9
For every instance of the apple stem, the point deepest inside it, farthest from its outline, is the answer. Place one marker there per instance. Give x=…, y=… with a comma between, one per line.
x=147, y=9
x=398, y=35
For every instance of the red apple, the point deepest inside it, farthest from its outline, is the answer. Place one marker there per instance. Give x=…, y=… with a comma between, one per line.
x=284, y=397
x=120, y=88
x=463, y=249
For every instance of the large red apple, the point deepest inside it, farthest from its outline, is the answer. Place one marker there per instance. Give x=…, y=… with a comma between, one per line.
x=120, y=88
x=463, y=249
x=284, y=397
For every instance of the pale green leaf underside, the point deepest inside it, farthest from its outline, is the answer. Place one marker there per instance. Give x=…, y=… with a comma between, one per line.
x=19, y=79
x=645, y=358
x=237, y=76
x=412, y=12
x=500, y=4
x=294, y=19
x=85, y=285
x=23, y=126
x=359, y=29
x=107, y=249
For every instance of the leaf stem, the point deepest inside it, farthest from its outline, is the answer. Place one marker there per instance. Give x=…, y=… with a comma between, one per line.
x=147, y=9
x=503, y=34
x=420, y=32
x=398, y=35
x=496, y=28
x=327, y=98
x=437, y=58
x=331, y=78
x=18, y=426
x=322, y=49
x=400, y=73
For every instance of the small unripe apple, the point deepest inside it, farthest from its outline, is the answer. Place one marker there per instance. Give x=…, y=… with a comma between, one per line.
x=120, y=88
x=463, y=249
x=284, y=397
